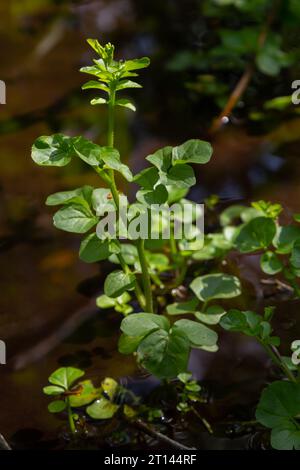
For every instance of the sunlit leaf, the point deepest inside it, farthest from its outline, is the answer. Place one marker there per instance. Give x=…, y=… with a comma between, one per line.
x=65, y=377
x=117, y=283
x=54, y=150
x=216, y=286
x=102, y=409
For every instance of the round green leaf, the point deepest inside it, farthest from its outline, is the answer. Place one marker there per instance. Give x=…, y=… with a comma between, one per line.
x=56, y=406
x=270, y=263
x=295, y=255
x=88, y=151
x=192, y=151
x=53, y=390
x=54, y=150
x=147, y=178
x=92, y=249
x=102, y=409
x=230, y=214
x=126, y=104
x=198, y=334
x=139, y=324
x=181, y=176
x=128, y=252
x=96, y=101
x=216, y=286
x=128, y=344
x=65, y=197
x=93, y=84
x=245, y=322
x=102, y=201
x=255, y=235
x=65, y=376
x=88, y=393
x=134, y=64
x=278, y=407
x=183, y=307
x=111, y=158
x=164, y=354
x=118, y=282
x=74, y=218
x=285, y=238
x=212, y=315
x=159, y=195
x=161, y=159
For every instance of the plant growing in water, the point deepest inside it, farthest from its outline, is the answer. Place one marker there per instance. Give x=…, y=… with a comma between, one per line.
x=162, y=346
x=165, y=276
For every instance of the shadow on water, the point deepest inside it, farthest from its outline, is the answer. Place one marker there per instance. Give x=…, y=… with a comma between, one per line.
x=47, y=313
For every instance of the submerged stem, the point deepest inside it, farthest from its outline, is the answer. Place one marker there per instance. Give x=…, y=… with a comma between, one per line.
x=206, y=424
x=274, y=354
x=70, y=417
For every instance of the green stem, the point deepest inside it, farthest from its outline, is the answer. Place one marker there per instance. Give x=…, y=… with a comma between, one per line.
x=70, y=417
x=204, y=421
x=274, y=354
x=138, y=291
x=182, y=273
x=111, y=116
x=112, y=186
x=156, y=279
x=145, y=275
x=173, y=245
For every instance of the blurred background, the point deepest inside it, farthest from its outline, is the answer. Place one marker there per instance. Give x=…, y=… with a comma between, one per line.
x=221, y=70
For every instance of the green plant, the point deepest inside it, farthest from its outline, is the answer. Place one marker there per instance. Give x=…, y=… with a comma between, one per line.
x=279, y=406
x=161, y=346
x=252, y=39
x=69, y=393
x=166, y=275
x=257, y=229
x=279, y=409
x=190, y=394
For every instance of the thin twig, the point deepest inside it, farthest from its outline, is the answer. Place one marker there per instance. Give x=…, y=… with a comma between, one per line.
x=245, y=79
x=277, y=283
x=142, y=426
x=4, y=444
x=205, y=423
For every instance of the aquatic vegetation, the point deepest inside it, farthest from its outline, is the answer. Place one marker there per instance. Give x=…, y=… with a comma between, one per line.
x=260, y=44
x=163, y=348
x=159, y=276
x=257, y=229
x=62, y=387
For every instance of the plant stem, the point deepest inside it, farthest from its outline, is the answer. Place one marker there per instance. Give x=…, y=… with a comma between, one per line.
x=112, y=185
x=274, y=354
x=111, y=116
x=70, y=417
x=145, y=275
x=173, y=245
x=138, y=291
x=156, y=434
x=249, y=70
x=182, y=272
x=156, y=279
x=204, y=421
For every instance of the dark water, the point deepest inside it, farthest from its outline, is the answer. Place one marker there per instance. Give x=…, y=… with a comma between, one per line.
x=46, y=292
